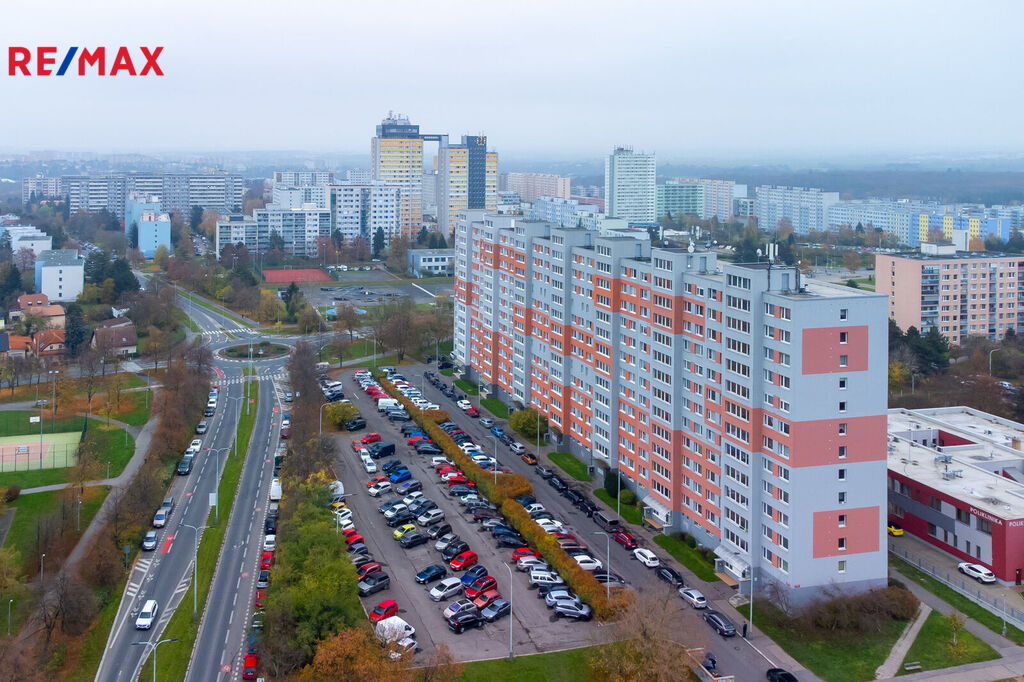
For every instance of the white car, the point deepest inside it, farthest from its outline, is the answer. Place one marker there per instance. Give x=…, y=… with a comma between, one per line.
x=463, y=404
x=479, y=457
x=534, y=508
x=369, y=466
x=269, y=543
x=343, y=514
x=539, y=577
x=695, y=598
x=470, y=447
x=391, y=513
x=430, y=517
x=412, y=497
x=588, y=563
x=531, y=563
x=449, y=587
x=976, y=571
x=346, y=523
x=431, y=406
x=646, y=557
x=451, y=474
x=147, y=616
x=378, y=489
x=434, y=461
x=193, y=447
x=466, y=499
x=551, y=526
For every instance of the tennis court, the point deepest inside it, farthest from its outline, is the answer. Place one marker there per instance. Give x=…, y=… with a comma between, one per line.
x=285, y=276
x=24, y=453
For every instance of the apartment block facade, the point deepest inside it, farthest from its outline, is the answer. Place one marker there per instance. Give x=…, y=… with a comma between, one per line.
x=743, y=405
x=679, y=197
x=805, y=208
x=300, y=228
x=467, y=178
x=358, y=210
x=629, y=186
x=532, y=186
x=221, y=192
x=396, y=158
x=961, y=294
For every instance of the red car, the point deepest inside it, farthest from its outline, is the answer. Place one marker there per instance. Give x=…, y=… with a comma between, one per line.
x=625, y=539
x=486, y=598
x=267, y=560
x=481, y=584
x=367, y=569
x=520, y=552
x=349, y=532
x=473, y=412
x=375, y=480
x=370, y=438
x=285, y=432
x=258, y=602
x=463, y=561
x=354, y=538
x=249, y=666
x=416, y=439
x=385, y=609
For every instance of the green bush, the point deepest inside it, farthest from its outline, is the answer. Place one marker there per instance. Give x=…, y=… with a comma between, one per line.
x=690, y=541
x=527, y=423
x=612, y=485
x=12, y=493
x=627, y=497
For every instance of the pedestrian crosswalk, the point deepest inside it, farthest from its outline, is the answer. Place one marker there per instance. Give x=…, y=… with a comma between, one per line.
x=236, y=332
x=278, y=376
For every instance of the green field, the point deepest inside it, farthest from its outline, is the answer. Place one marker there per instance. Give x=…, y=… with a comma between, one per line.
x=447, y=372
x=568, y=463
x=571, y=665
x=174, y=656
x=628, y=513
x=141, y=402
x=270, y=350
x=22, y=535
x=495, y=407
x=836, y=658
x=467, y=387
x=117, y=445
x=934, y=651
x=687, y=556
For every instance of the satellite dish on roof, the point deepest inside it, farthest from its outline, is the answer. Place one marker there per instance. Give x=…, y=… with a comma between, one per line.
x=690, y=247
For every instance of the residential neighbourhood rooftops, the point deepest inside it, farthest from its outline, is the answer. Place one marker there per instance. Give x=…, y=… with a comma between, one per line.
x=60, y=257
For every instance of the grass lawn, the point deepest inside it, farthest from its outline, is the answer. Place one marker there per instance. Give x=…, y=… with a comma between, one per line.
x=568, y=463
x=96, y=639
x=865, y=283
x=174, y=656
x=956, y=600
x=687, y=556
x=448, y=372
x=565, y=666
x=270, y=350
x=628, y=513
x=388, y=360
x=933, y=647
x=140, y=401
x=468, y=387
x=109, y=440
x=45, y=390
x=832, y=658
x=497, y=408
x=22, y=535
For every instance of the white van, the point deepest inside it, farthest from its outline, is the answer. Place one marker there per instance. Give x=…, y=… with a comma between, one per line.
x=385, y=404
x=275, y=490
x=393, y=629
x=369, y=465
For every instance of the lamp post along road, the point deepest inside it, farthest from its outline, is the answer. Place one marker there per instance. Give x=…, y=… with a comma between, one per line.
x=155, y=645
x=994, y=350
x=608, y=548
x=321, y=430
x=510, y=581
x=195, y=567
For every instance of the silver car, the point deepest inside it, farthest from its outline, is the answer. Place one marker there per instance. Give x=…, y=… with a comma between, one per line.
x=444, y=541
x=449, y=587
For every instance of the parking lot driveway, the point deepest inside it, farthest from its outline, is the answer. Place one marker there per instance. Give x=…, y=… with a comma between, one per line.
x=532, y=627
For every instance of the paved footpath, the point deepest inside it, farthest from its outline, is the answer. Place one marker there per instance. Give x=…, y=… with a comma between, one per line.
x=891, y=667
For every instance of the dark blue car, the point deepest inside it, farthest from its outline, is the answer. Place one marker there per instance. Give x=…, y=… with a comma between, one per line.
x=431, y=573
x=400, y=475
x=473, y=573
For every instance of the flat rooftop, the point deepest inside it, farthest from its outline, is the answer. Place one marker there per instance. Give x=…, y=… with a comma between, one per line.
x=966, y=454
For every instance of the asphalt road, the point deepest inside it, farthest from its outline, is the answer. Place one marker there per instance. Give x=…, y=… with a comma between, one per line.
x=221, y=642
x=734, y=655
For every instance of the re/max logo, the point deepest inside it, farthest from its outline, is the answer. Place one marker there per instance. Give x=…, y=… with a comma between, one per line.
x=19, y=61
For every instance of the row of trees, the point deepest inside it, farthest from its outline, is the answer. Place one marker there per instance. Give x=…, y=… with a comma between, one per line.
x=912, y=354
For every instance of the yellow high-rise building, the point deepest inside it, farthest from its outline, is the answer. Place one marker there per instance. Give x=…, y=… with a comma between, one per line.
x=397, y=159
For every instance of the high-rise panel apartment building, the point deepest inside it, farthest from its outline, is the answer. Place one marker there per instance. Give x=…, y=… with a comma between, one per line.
x=532, y=186
x=302, y=178
x=396, y=158
x=805, y=208
x=358, y=210
x=743, y=404
x=300, y=228
x=221, y=192
x=682, y=197
x=959, y=293
x=629, y=186
x=467, y=178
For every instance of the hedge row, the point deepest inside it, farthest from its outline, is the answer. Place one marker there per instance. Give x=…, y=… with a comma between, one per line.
x=503, y=494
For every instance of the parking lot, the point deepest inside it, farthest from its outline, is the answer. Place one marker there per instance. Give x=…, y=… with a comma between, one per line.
x=533, y=629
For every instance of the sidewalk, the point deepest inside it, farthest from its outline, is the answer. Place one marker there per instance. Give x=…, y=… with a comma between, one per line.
x=891, y=667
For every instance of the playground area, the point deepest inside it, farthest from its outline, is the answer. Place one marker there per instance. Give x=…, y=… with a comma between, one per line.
x=29, y=453
x=297, y=275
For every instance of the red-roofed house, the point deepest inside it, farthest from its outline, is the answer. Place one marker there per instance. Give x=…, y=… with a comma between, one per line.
x=120, y=340
x=48, y=343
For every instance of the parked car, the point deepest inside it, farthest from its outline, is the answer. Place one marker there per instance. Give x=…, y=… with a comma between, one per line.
x=487, y=422
x=625, y=539
x=463, y=561
x=385, y=609
x=481, y=584
x=780, y=675
x=464, y=620
x=446, y=589
x=568, y=609
x=355, y=424
x=669, y=575
x=431, y=573
x=439, y=530
x=694, y=598
x=499, y=608
x=976, y=571
x=375, y=582
x=457, y=606
x=646, y=557
x=149, y=542
x=720, y=623
x=414, y=539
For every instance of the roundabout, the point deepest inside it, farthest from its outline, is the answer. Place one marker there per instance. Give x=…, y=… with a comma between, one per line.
x=264, y=350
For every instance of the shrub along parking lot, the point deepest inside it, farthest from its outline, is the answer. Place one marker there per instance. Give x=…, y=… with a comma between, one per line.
x=510, y=486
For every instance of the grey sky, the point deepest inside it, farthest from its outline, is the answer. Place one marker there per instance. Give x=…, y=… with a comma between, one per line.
x=685, y=79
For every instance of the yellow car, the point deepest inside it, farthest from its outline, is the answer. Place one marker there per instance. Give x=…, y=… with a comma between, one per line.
x=402, y=530
x=895, y=529
x=335, y=506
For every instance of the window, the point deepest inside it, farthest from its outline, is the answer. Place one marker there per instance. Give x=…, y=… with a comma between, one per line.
x=842, y=544
x=963, y=516
x=842, y=474
x=985, y=526
x=935, y=503
x=843, y=337
x=844, y=313
x=842, y=452
x=842, y=498
x=842, y=428
x=842, y=406
x=842, y=567
x=842, y=520
x=844, y=360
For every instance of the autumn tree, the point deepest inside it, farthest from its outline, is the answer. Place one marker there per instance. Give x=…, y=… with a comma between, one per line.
x=348, y=320
x=440, y=667
x=851, y=260
x=398, y=250
x=161, y=258
x=353, y=654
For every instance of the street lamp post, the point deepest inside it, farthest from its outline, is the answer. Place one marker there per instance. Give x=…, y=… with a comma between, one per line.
x=9, y=602
x=216, y=507
x=374, y=349
x=79, y=515
x=510, y=581
x=495, y=467
x=195, y=567
x=321, y=431
x=994, y=350
x=235, y=443
x=41, y=557
x=157, y=644
x=608, y=543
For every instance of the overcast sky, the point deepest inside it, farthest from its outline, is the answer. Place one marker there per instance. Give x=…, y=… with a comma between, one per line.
x=683, y=78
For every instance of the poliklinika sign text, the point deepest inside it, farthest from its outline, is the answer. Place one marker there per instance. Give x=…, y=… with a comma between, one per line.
x=99, y=61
